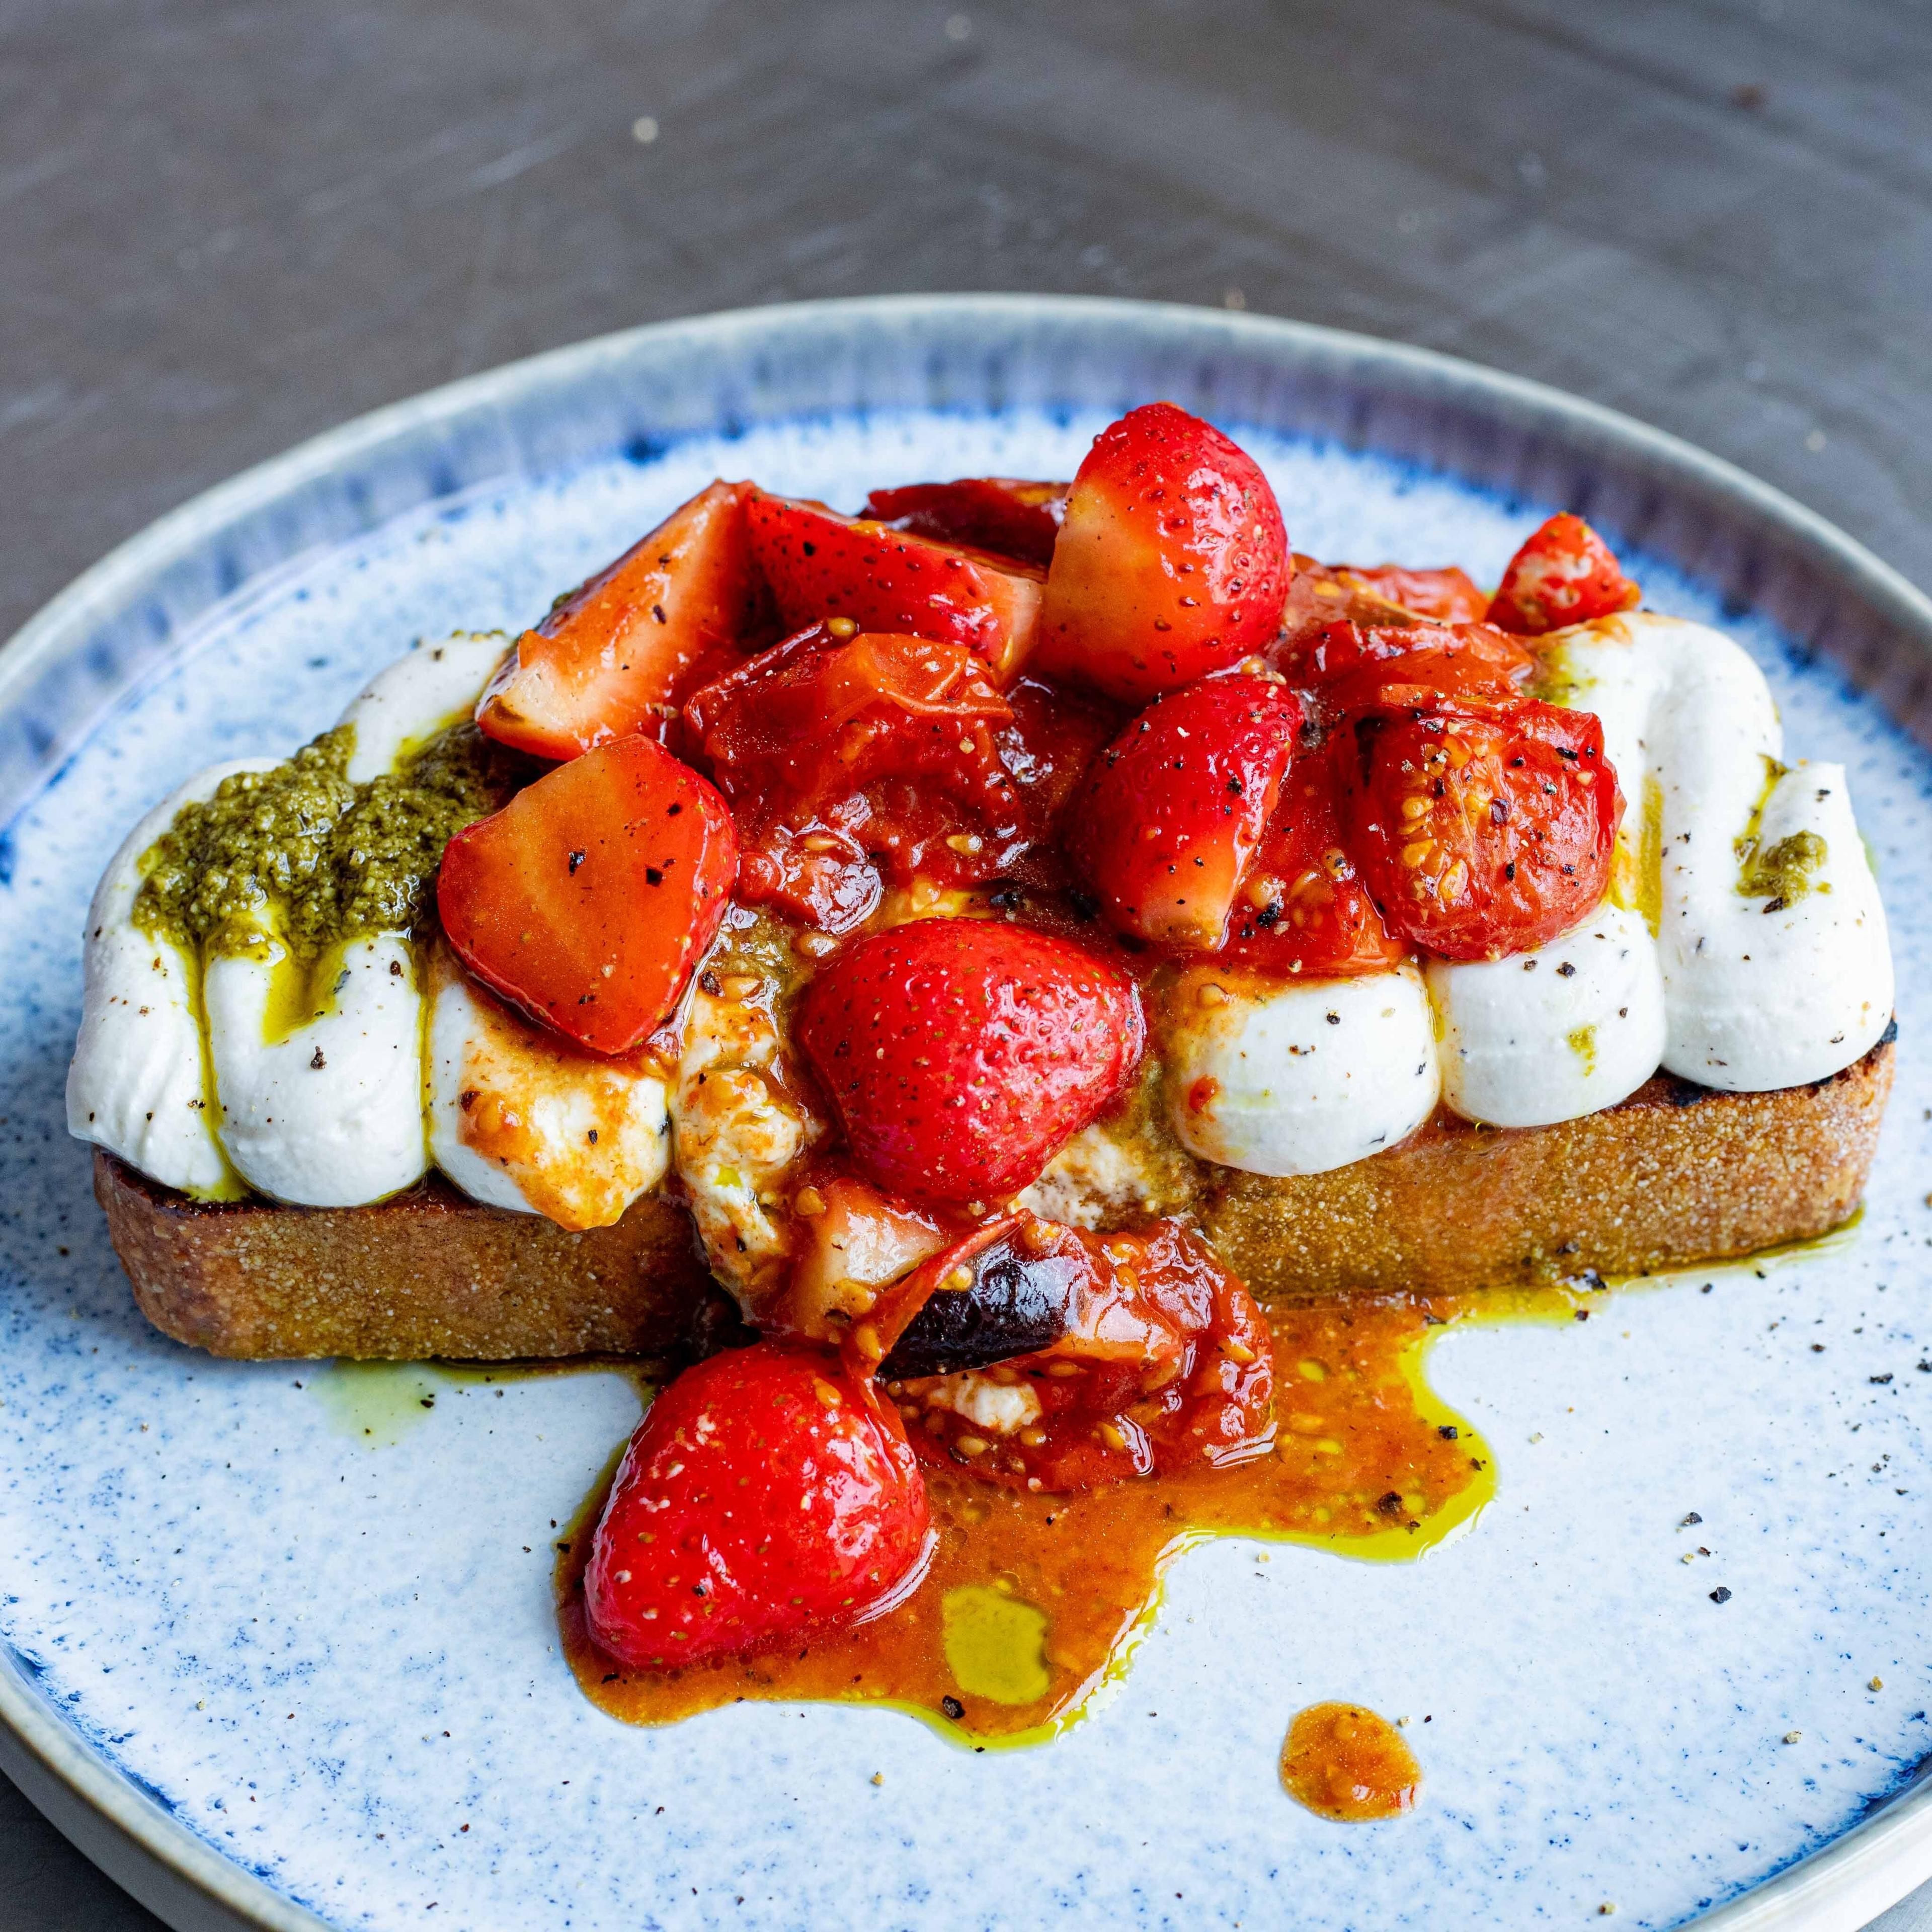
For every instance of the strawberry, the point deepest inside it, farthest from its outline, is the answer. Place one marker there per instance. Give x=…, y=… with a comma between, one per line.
x=960, y=1054
x=1172, y=810
x=998, y=514
x=821, y=565
x=1564, y=574
x=619, y=654
x=588, y=899
x=1172, y=562
x=766, y=1495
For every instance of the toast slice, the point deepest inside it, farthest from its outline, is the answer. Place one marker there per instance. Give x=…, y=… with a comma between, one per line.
x=1676, y=1175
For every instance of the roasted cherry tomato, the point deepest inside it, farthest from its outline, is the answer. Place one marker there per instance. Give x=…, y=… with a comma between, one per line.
x=588, y=899
x=1172, y=561
x=621, y=654
x=849, y=1242
x=766, y=1495
x=1172, y=810
x=1347, y=664
x=821, y=565
x=1482, y=827
x=1303, y=908
x=1448, y=596
x=1565, y=574
x=1146, y=1356
x=961, y=1053
x=851, y=760
x=1000, y=514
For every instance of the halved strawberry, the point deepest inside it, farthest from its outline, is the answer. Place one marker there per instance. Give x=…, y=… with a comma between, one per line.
x=960, y=1053
x=766, y=1494
x=620, y=654
x=1564, y=574
x=588, y=899
x=1172, y=810
x=1172, y=562
x=821, y=565
x=1000, y=515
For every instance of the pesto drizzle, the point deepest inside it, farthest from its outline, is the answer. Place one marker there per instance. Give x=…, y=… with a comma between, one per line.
x=299, y=854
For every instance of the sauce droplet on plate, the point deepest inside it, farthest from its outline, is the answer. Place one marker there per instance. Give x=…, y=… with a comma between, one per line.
x=1346, y=1763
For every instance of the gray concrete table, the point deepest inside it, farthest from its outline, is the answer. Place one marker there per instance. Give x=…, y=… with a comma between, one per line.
x=224, y=225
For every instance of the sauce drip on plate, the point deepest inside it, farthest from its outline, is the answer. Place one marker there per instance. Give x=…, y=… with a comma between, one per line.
x=1031, y=1602
x=1348, y=1764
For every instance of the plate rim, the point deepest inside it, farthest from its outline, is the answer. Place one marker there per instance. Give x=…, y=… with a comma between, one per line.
x=189, y=1883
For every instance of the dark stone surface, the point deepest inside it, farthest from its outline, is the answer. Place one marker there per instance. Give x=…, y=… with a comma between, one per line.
x=223, y=227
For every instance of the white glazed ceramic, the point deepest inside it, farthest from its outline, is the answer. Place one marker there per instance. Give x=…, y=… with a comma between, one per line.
x=272, y=1636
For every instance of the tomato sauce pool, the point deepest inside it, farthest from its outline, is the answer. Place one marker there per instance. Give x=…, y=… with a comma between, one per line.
x=1031, y=1602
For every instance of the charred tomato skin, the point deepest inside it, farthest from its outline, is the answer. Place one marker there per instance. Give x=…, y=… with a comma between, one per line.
x=961, y=1054
x=1172, y=561
x=765, y=1496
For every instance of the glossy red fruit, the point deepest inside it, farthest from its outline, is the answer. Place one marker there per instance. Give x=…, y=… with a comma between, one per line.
x=1303, y=908
x=1172, y=561
x=820, y=564
x=960, y=1054
x=620, y=654
x=1483, y=828
x=1448, y=596
x=1347, y=664
x=1000, y=515
x=588, y=899
x=1565, y=574
x=1171, y=812
x=1175, y=1361
x=765, y=1496
x=849, y=762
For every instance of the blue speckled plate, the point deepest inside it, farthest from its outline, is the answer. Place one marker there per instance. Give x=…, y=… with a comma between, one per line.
x=276, y=1643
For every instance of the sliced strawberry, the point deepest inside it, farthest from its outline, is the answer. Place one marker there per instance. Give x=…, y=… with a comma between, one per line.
x=1160, y=1360
x=998, y=514
x=620, y=654
x=851, y=760
x=1565, y=574
x=1346, y=664
x=821, y=565
x=1172, y=562
x=1172, y=810
x=588, y=899
x=765, y=1496
x=1304, y=907
x=960, y=1054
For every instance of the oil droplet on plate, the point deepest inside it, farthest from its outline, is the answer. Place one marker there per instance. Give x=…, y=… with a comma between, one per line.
x=1346, y=1763
x=995, y=1644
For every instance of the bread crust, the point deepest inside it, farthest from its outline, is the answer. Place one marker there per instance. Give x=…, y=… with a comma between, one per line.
x=1676, y=1175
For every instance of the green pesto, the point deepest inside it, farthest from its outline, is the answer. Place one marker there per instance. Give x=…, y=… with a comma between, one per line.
x=1784, y=872
x=298, y=854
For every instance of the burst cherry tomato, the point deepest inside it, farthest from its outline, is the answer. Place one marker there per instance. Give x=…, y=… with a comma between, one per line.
x=1173, y=809
x=1303, y=908
x=1565, y=574
x=1154, y=1357
x=1483, y=828
x=849, y=761
x=1172, y=561
x=1346, y=664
